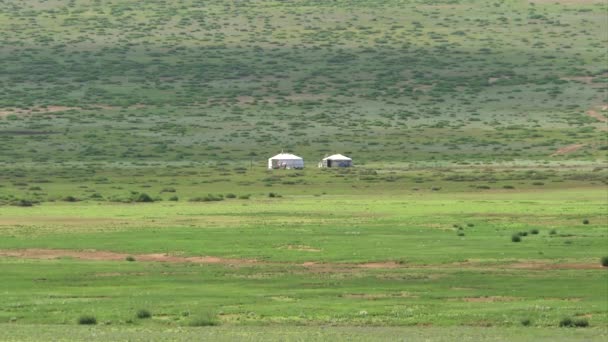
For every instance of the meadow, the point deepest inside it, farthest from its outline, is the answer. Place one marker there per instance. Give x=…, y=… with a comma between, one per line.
x=135, y=203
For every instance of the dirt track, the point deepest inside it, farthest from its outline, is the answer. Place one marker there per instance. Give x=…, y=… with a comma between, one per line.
x=94, y=255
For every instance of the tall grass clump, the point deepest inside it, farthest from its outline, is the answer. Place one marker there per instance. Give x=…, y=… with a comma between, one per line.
x=204, y=320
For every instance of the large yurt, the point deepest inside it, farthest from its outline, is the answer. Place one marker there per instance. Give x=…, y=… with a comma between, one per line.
x=336, y=160
x=285, y=161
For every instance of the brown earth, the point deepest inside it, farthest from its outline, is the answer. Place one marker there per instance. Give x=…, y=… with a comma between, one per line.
x=567, y=149
x=594, y=114
x=95, y=255
x=489, y=299
x=113, y=256
x=54, y=109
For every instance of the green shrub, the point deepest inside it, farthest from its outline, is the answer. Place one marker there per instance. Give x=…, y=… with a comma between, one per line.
x=585, y=221
x=534, y=231
x=571, y=323
x=566, y=322
x=87, y=320
x=174, y=198
x=553, y=232
x=204, y=321
x=460, y=233
x=230, y=195
x=523, y=233
x=143, y=198
x=516, y=238
x=208, y=198
x=70, y=199
x=23, y=203
x=245, y=197
x=526, y=322
x=605, y=261
x=143, y=314
x=130, y=258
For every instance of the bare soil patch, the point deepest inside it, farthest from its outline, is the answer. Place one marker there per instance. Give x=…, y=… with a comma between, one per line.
x=374, y=265
x=489, y=299
x=596, y=115
x=49, y=254
x=95, y=255
x=568, y=149
x=541, y=265
x=301, y=248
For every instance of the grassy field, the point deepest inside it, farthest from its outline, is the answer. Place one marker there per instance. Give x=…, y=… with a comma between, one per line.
x=133, y=144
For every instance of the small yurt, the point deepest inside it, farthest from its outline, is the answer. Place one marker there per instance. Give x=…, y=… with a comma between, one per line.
x=285, y=161
x=336, y=160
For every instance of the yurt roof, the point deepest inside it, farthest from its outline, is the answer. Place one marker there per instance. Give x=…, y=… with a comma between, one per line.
x=285, y=156
x=337, y=157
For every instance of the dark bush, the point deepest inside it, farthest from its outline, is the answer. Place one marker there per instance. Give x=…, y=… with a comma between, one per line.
x=70, y=199
x=143, y=198
x=23, y=203
x=208, y=198
x=143, y=314
x=553, y=232
x=516, y=238
x=245, y=197
x=566, y=322
x=585, y=221
x=130, y=258
x=87, y=320
x=526, y=322
x=174, y=198
x=230, y=196
x=605, y=261
x=571, y=323
x=534, y=231
x=523, y=233
x=273, y=195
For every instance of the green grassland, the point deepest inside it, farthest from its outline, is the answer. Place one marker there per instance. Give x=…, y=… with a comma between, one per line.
x=133, y=146
x=209, y=81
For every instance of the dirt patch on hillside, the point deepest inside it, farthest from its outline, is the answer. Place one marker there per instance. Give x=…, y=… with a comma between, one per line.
x=55, y=109
x=568, y=149
x=50, y=254
x=596, y=115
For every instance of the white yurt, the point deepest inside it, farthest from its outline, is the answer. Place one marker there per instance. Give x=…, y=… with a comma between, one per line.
x=285, y=161
x=336, y=160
